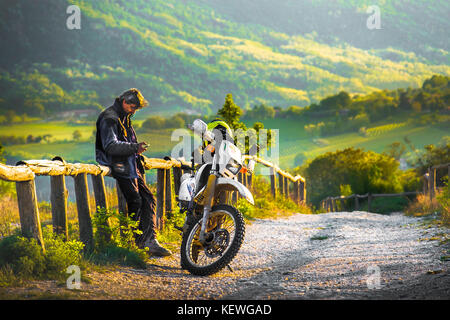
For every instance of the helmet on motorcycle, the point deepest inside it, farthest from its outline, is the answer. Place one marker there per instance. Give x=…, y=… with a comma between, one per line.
x=223, y=127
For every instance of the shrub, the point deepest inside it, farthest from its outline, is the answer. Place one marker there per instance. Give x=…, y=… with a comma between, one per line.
x=363, y=171
x=443, y=199
x=422, y=206
x=154, y=122
x=23, y=256
x=60, y=254
x=114, y=236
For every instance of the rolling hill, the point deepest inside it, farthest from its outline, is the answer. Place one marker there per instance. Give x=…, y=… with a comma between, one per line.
x=187, y=55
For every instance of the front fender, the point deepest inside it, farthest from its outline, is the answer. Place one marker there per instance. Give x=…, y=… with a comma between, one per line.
x=232, y=185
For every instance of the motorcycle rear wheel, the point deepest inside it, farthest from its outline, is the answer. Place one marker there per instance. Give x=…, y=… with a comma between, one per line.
x=225, y=235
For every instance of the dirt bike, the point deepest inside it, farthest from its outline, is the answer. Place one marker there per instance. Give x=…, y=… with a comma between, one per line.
x=214, y=230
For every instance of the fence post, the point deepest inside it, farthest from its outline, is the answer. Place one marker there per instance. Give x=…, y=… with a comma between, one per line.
x=84, y=217
x=168, y=195
x=176, y=179
x=281, y=184
x=250, y=181
x=286, y=187
x=297, y=192
x=425, y=183
x=356, y=202
x=432, y=182
x=58, y=199
x=273, y=186
x=160, y=197
x=302, y=191
x=98, y=184
x=28, y=211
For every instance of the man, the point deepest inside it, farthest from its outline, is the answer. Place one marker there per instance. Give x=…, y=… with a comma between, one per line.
x=116, y=146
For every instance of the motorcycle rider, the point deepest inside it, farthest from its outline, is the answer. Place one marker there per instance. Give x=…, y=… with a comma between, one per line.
x=117, y=147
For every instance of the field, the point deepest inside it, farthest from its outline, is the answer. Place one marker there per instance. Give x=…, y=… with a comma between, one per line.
x=292, y=138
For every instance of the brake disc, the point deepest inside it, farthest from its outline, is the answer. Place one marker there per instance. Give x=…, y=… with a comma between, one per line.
x=219, y=243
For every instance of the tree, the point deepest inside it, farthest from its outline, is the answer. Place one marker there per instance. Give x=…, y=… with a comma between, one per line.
x=433, y=155
x=76, y=135
x=6, y=187
x=299, y=159
x=175, y=122
x=154, y=122
x=231, y=113
x=396, y=150
x=362, y=171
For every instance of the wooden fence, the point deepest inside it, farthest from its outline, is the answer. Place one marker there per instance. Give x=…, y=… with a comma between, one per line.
x=329, y=204
x=167, y=184
x=431, y=177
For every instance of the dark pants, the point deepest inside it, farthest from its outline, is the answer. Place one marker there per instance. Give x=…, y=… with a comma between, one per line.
x=142, y=203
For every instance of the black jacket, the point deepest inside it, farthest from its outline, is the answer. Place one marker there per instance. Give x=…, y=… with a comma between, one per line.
x=116, y=144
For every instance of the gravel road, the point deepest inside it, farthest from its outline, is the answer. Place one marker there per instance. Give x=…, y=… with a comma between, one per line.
x=341, y=255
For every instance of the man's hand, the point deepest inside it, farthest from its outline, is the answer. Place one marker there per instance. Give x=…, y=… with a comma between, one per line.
x=142, y=147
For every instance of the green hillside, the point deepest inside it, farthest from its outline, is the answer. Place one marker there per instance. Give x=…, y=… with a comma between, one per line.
x=188, y=55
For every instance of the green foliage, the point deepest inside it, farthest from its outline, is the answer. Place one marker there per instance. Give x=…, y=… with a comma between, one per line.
x=77, y=135
x=186, y=54
x=265, y=205
x=443, y=199
x=260, y=112
x=342, y=113
x=231, y=113
x=114, y=237
x=158, y=122
x=410, y=180
x=154, y=122
x=299, y=159
x=362, y=172
x=433, y=155
x=59, y=253
x=23, y=258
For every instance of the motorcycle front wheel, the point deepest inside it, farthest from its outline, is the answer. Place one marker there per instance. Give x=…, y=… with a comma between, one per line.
x=224, y=236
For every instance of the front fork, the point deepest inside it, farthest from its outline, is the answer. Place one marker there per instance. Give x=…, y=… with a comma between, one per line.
x=209, y=194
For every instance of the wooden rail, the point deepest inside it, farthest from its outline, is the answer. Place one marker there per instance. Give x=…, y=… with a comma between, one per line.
x=329, y=204
x=429, y=187
x=168, y=183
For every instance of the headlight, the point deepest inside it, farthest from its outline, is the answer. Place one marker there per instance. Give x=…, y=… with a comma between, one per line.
x=233, y=167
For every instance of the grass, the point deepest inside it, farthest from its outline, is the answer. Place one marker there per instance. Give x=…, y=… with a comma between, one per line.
x=120, y=250
x=319, y=238
x=423, y=206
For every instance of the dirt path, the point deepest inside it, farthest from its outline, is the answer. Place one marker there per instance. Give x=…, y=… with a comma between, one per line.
x=345, y=255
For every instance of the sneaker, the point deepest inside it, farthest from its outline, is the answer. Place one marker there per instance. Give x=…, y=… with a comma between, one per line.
x=155, y=249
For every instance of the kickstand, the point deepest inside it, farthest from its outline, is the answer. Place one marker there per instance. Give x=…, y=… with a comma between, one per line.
x=229, y=268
